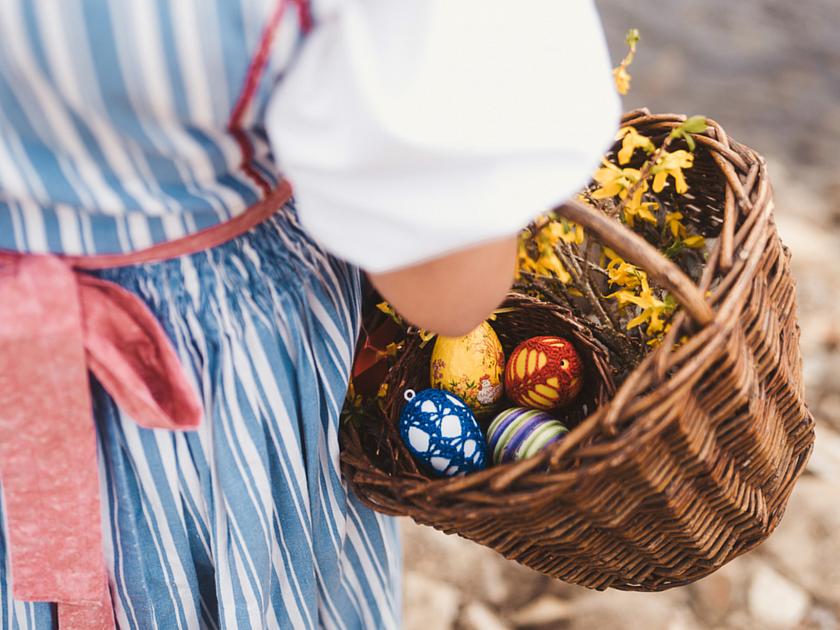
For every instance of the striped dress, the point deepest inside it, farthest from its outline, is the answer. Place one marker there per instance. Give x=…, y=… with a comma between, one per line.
x=126, y=124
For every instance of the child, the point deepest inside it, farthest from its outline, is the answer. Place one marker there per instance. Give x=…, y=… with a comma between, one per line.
x=148, y=238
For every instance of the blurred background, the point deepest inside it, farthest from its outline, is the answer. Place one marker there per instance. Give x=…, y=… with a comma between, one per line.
x=769, y=72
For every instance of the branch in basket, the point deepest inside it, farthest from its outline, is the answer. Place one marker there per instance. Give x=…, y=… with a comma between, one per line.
x=529, y=282
x=635, y=249
x=628, y=351
x=564, y=251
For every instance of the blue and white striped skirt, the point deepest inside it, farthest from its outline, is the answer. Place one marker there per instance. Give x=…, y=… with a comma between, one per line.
x=244, y=523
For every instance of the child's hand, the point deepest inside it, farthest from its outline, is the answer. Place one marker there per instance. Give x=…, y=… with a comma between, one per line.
x=453, y=294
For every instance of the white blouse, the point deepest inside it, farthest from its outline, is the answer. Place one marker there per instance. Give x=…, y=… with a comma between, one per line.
x=413, y=128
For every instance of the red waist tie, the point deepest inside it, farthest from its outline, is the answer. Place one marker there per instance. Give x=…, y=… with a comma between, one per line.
x=56, y=324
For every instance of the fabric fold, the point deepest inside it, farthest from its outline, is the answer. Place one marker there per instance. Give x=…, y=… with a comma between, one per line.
x=55, y=325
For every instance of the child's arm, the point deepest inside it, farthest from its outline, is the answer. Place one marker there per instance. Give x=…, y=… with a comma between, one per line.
x=451, y=295
x=420, y=136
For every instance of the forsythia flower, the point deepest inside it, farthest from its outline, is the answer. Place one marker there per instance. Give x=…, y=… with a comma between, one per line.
x=630, y=141
x=624, y=274
x=539, y=223
x=674, y=222
x=622, y=79
x=694, y=242
x=387, y=309
x=547, y=262
x=550, y=232
x=426, y=335
x=655, y=341
x=392, y=349
x=638, y=208
x=617, y=181
x=672, y=164
x=353, y=398
x=652, y=308
x=620, y=74
x=566, y=231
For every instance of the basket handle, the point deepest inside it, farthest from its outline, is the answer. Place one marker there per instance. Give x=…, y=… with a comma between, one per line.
x=638, y=251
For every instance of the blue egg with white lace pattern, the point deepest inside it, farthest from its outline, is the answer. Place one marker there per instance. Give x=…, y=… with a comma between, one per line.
x=442, y=433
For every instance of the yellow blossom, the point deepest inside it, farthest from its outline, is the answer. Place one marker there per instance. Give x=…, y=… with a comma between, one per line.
x=612, y=180
x=622, y=79
x=655, y=341
x=624, y=297
x=652, y=307
x=695, y=242
x=393, y=348
x=426, y=335
x=539, y=223
x=672, y=164
x=546, y=264
x=387, y=309
x=638, y=208
x=566, y=231
x=616, y=181
x=353, y=398
x=549, y=265
x=624, y=274
x=620, y=74
x=606, y=252
x=630, y=141
x=674, y=222
x=383, y=391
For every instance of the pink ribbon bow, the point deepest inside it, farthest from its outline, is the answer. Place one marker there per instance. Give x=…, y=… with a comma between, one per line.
x=55, y=325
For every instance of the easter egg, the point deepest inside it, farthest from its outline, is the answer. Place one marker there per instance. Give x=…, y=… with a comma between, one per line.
x=471, y=367
x=519, y=433
x=544, y=373
x=442, y=433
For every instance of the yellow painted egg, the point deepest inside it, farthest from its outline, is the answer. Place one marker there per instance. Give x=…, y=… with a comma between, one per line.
x=470, y=367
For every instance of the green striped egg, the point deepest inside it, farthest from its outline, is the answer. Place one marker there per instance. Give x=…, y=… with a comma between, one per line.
x=519, y=433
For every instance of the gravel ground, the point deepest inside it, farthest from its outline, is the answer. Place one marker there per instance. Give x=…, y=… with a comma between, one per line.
x=769, y=71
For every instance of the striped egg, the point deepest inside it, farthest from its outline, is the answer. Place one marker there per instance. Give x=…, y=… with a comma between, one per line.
x=519, y=433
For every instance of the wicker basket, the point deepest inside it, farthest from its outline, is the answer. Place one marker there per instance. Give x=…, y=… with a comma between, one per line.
x=691, y=462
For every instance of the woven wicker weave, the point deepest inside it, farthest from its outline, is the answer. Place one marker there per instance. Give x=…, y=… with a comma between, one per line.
x=693, y=459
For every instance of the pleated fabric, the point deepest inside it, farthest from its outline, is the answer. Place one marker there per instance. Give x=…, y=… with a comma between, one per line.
x=115, y=119
x=244, y=523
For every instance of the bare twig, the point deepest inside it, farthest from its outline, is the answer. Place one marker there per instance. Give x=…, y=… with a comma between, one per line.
x=540, y=284
x=564, y=251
